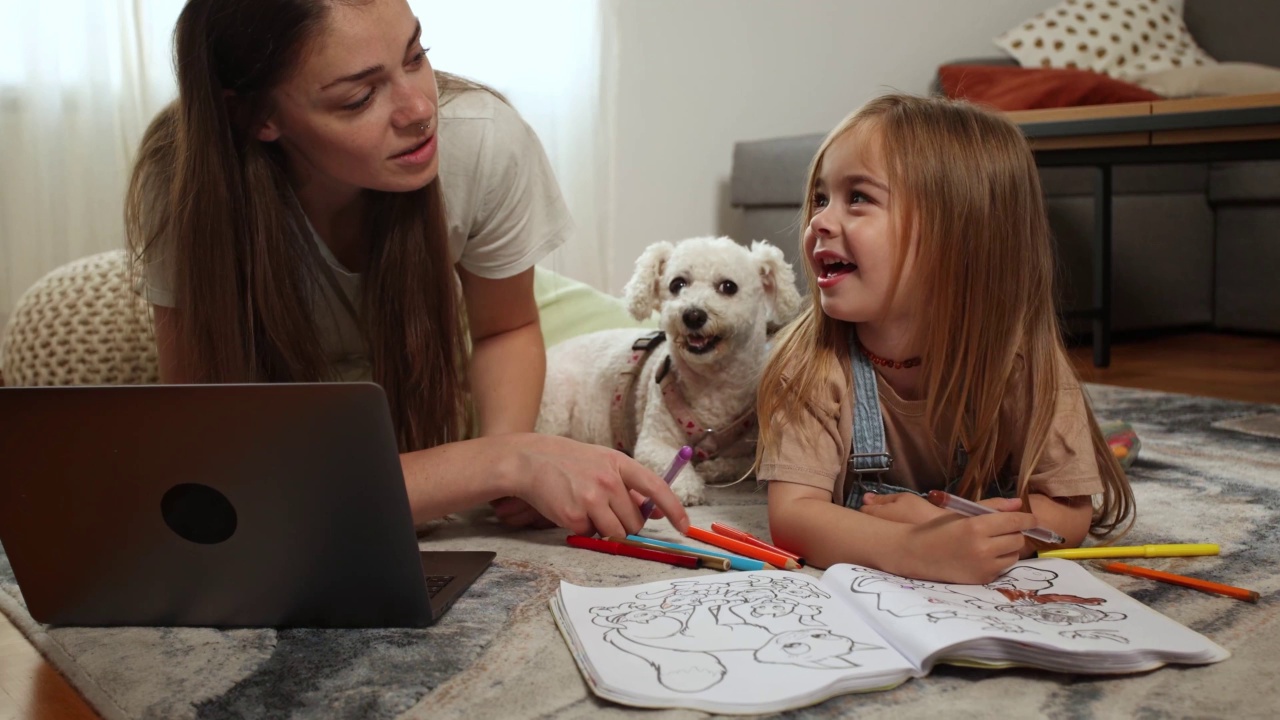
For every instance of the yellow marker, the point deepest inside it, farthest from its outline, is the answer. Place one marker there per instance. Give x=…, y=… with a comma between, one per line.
x=1177, y=550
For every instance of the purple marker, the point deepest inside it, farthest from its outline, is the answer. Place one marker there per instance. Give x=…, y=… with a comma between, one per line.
x=682, y=459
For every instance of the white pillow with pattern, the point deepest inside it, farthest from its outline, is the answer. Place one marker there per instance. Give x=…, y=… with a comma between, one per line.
x=1121, y=38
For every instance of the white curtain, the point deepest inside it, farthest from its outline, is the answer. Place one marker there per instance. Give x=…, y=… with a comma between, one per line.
x=553, y=59
x=79, y=80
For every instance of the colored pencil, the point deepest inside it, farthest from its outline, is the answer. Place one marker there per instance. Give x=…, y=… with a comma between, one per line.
x=1183, y=580
x=704, y=560
x=737, y=546
x=736, y=562
x=748, y=538
x=615, y=548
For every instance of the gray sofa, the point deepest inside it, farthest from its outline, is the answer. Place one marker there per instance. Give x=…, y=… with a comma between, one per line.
x=1194, y=244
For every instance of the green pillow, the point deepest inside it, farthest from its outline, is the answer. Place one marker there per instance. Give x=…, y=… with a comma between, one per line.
x=569, y=308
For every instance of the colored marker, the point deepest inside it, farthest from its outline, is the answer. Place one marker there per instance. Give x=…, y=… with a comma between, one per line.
x=969, y=508
x=682, y=459
x=1172, y=550
x=748, y=538
x=735, y=562
x=737, y=546
x=1183, y=580
x=615, y=548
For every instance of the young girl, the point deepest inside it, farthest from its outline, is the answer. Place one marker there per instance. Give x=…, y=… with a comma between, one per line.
x=930, y=358
x=313, y=208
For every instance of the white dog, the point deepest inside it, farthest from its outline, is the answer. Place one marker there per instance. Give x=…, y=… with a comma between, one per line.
x=648, y=395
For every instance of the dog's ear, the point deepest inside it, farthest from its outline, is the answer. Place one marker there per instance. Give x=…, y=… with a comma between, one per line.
x=779, y=281
x=641, y=291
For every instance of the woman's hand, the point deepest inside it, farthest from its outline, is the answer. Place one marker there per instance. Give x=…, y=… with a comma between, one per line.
x=967, y=550
x=516, y=513
x=586, y=489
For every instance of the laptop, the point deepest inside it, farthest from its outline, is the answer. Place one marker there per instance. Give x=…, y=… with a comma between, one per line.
x=279, y=505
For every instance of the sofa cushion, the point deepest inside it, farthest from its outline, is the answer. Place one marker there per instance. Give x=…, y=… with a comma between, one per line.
x=1127, y=179
x=772, y=172
x=1227, y=78
x=568, y=308
x=1244, y=182
x=1235, y=30
x=1019, y=88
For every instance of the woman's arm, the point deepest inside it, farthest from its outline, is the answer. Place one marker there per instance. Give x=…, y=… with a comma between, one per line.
x=508, y=359
x=947, y=548
x=584, y=488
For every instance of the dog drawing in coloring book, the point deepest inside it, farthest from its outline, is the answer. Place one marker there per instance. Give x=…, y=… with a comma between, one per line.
x=693, y=382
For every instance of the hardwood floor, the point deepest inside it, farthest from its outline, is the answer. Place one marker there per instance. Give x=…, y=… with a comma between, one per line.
x=1229, y=366
x=30, y=688
x=1239, y=367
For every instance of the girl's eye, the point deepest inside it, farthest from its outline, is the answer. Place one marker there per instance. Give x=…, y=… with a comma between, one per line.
x=857, y=198
x=728, y=287
x=819, y=200
x=361, y=102
x=677, y=285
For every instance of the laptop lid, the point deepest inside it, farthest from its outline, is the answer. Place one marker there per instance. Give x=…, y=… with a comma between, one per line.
x=216, y=505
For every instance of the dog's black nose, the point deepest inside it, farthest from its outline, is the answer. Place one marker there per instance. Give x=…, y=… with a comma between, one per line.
x=694, y=318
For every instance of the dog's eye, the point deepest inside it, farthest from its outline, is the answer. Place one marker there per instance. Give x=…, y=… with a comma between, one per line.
x=677, y=285
x=728, y=287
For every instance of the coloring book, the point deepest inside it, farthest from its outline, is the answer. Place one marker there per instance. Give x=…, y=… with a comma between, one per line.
x=756, y=642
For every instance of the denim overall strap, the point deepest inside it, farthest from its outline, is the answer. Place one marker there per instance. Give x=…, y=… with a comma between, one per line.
x=869, y=456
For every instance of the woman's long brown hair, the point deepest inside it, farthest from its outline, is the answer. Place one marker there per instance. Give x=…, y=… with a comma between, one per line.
x=210, y=203
x=966, y=189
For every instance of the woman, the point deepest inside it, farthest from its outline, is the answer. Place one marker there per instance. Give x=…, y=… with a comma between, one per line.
x=290, y=216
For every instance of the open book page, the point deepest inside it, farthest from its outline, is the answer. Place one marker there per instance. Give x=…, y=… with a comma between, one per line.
x=1049, y=613
x=746, y=642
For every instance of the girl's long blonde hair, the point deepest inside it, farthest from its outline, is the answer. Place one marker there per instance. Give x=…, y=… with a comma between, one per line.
x=965, y=188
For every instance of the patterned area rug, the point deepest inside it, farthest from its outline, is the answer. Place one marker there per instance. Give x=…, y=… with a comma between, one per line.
x=497, y=652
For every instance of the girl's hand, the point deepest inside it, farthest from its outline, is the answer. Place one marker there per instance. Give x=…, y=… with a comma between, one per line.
x=912, y=509
x=966, y=550
x=586, y=489
x=900, y=507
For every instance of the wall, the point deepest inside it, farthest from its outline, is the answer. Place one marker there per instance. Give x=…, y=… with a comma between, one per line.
x=695, y=76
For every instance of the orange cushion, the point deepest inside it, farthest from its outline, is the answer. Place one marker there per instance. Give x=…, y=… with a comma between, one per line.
x=1019, y=88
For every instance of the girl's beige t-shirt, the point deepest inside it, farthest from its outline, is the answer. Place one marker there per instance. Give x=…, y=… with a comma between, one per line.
x=504, y=211
x=814, y=448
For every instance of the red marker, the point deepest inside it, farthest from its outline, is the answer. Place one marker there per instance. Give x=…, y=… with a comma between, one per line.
x=617, y=548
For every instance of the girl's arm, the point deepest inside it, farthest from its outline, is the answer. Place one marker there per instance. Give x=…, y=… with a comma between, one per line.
x=947, y=548
x=1070, y=517
x=508, y=359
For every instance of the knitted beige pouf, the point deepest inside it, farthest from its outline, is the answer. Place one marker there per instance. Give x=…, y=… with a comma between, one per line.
x=81, y=324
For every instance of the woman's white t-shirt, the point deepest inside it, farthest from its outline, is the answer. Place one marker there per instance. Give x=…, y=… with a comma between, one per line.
x=503, y=206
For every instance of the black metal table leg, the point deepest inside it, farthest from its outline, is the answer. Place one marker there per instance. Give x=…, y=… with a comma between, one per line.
x=1102, y=268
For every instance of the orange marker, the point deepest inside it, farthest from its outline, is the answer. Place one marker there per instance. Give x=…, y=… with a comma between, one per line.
x=737, y=546
x=748, y=538
x=1183, y=580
